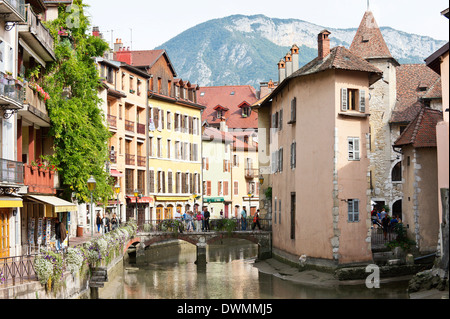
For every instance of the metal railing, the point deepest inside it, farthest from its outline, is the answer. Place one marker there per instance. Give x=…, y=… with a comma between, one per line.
x=18, y=5
x=11, y=89
x=11, y=171
x=37, y=28
x=166, y=225
x=14, y=270
x=379, y=238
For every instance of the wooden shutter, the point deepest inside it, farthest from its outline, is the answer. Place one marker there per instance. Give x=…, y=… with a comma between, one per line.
x=362, y=101
x=170, y=182
x=236, y=188
x=163, y=180
x=280, y=126
x=208, y=188
x=344, y=101
x=162, y=119
x=152, y=182
x=294, y=109
x=356, y=148
x=225, y=188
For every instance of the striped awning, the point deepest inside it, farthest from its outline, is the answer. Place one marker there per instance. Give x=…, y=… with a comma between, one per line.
x=59, y=205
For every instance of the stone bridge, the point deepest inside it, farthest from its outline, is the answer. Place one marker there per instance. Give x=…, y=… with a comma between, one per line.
x=201, y=240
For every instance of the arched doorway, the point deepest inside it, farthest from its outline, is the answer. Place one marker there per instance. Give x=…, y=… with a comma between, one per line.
x=397, y=209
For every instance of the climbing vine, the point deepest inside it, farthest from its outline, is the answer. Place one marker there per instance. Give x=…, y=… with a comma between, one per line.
x=77, y=122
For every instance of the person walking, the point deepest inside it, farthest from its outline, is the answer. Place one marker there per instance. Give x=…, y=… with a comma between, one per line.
x=256, y=221
x=98, y=222
x=385, y=223
x=244, y=218
x=106, y=223
x=206, y=216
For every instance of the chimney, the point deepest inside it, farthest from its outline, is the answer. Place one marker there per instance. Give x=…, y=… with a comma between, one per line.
x=288, y=59
x=294, y=54
x=118, y=45
x=223, y=127
x=123, y=55
x=96, y=32
x=323, y=44
x=281, y=71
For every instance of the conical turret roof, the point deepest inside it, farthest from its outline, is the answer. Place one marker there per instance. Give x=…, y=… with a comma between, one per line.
x=368, y=42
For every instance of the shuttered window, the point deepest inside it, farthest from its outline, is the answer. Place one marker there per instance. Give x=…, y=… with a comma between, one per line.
x=344, y=102
x=353, y=149
x=353, y=210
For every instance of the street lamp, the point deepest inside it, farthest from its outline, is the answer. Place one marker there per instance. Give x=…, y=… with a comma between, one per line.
x=117, y=190
x=91, y=183
x=195, y=197
x=250, y=195
x=261, y=179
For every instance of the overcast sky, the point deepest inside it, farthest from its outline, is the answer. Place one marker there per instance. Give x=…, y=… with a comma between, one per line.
x=145, y=24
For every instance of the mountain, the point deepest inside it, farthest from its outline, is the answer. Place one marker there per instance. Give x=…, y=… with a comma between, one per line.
x=240, y=50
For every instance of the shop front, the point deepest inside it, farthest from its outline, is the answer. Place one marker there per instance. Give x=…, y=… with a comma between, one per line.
x=9, y=207
x=39, y=215
x=166, y=206
x=139, y=208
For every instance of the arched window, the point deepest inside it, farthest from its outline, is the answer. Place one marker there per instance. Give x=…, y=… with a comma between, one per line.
x=396, y=173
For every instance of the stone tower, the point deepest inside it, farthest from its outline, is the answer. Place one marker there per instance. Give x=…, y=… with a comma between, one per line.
x=369, y=44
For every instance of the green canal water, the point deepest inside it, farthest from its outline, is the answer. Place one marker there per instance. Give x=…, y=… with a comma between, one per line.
x=170, y=272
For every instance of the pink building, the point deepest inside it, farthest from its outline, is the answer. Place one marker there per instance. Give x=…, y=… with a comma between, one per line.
x=313, y=141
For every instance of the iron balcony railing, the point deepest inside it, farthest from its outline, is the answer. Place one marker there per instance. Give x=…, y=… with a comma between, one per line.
x=14, y=270
x=11, y=171
x=12, y=8
x=11, y=92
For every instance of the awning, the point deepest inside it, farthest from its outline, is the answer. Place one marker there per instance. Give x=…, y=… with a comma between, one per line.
x=59, y=205
x=213, y=200
x=115, y=173
x=10, y=202
x=172, y=198
x=141, y=200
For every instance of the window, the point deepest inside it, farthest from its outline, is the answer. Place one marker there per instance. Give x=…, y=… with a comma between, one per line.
x=293, y=111
x=235, y=161
x=353, y=100
x=169, y=120
x=396, y=174
x=236, y=188
x=169, y=146
x=293, y=154
x=293, y=215
x=246, y=111
x=219, y=188
x=353, y=149
x=353, y=210
x=159, y=147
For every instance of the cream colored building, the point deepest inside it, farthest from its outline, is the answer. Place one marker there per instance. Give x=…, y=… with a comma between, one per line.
x=315, y=158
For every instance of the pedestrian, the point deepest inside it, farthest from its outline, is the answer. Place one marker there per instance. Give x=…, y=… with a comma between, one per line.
x=385, y=222
x=383, y=213
x=206, y=216
x=178, y=218
x=60, y=234
x=256, y=221
x=199, y=221
x=106, y=223
x=188, y=221
x=244, y=218
x=98, y=222
x=114, y=221
x=221, y=213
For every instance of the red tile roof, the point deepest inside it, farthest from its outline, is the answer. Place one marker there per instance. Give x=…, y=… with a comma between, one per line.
x=142, y=58
x=368, y=41
x=222, y=95
x=414, y=83
x=421, y=132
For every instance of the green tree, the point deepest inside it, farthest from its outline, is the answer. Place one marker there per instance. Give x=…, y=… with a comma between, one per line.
x=77, y=122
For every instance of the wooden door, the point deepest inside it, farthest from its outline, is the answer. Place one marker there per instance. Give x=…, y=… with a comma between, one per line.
x=4, y=233
x=159, y=213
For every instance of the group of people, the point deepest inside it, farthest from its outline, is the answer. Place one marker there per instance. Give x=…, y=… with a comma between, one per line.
x=106, y=224
x=381, y=219
x=192, y=221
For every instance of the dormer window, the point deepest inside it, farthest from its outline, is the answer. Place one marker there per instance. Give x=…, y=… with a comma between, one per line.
x=220, y=111
x=246, y=111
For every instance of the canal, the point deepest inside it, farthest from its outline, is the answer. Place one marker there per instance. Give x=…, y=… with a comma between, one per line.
x=168, y=271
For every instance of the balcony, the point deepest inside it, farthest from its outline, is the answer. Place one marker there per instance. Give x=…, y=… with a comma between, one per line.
x=11, y=92
x=11, y=172
x=251, y=172
x=129, y=126
x=13, y=10
x=112, y=121
x=33, y=32
x=141, y=160
x=141, y=128
x=39, y=180
x=34, y=108
x=130, y=159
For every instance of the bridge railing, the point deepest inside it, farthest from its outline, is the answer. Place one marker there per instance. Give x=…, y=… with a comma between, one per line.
x=222, y=224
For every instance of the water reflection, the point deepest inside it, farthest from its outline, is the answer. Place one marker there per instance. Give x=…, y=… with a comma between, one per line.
x=170, y=272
